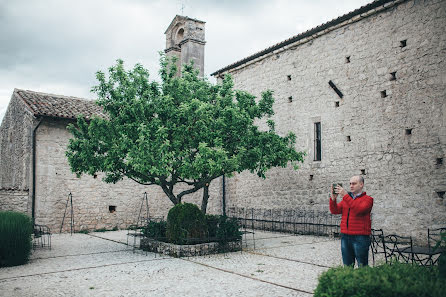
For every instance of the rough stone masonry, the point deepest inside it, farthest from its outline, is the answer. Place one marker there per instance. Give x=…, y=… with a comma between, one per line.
x=376, y=83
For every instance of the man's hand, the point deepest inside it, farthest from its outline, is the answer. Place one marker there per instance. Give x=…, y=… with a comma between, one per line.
x=340, y=190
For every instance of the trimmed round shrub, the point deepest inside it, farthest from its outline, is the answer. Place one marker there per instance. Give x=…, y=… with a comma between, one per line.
x=398, y=279
x=186, y=224
x=15, y=238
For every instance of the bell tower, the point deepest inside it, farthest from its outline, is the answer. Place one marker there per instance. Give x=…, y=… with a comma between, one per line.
x=185, y=40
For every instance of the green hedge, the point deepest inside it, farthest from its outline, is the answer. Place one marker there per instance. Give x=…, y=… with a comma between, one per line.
x=15, y=238
x=185, y=224
x=398, y=279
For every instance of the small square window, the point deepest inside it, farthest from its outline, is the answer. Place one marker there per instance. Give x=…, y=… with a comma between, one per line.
x=347, y=59
x=311, y=176
x=408, y=131
x=440, y=194
x=362, y=171
x=439, y=161
x=337, y=104
x=393, y=75
x=289, y=77
x=290, y=99
x=111, y=208
x=403, y=43
x=383, y=94
x=349, y=138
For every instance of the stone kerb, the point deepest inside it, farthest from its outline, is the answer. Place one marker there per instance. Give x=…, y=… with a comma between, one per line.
x=190, y=250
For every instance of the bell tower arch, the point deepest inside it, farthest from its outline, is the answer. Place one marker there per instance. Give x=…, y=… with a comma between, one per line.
x=185, y=40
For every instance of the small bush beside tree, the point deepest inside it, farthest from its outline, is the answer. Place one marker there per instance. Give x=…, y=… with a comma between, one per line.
x=15, y=238
x=398, y=279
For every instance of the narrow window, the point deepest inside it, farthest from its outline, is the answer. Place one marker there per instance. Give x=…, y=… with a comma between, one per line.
x=349, y=138
x=347, y=59
x=393, y=75
x=290, y=99
x=311, y=176
x=289, y=77
x=317, y=141
x=336, y=103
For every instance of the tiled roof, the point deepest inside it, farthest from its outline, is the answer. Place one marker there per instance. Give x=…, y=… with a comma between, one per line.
x=320, y=28
x=58, y=106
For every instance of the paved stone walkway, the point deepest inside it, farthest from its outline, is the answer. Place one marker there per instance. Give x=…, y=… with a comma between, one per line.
x=101, y=264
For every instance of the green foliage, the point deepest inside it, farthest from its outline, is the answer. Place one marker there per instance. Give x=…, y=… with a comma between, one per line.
x=442, y=258
x=84, y=231
x=212, y=223
x=155, y=230
x=185, y=223
x=398, y=279
x=15, y=238
x=183, y=130
x=228, y=229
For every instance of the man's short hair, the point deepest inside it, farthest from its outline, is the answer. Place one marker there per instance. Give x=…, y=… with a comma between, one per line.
x=361, y=179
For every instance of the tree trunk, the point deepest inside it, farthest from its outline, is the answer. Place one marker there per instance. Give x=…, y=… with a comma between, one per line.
x=204, y=203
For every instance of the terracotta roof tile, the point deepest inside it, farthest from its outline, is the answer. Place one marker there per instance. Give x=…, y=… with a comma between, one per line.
x=59, y=106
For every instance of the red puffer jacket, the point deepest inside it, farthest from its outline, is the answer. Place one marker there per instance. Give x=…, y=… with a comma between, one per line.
x=355, y=214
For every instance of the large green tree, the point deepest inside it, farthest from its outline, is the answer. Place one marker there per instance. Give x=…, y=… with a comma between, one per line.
x=182, y=131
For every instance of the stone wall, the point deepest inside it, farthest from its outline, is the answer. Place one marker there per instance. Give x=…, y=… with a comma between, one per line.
x=14, y=200
x=15, y=157
x=91, y=196
x=15, y=146
x=389, y=129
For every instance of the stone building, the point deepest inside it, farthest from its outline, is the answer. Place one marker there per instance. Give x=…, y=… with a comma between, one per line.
x=35, y=177
x=363, y=93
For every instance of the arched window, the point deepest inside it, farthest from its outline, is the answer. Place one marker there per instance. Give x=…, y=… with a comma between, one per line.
x=180, y=36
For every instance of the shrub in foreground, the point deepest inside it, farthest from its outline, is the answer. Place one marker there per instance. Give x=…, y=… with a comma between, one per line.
x=398, y=279
x=15, y=238
x=185, y=223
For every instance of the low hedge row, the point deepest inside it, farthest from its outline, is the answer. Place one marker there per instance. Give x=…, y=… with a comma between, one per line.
x=398, y=279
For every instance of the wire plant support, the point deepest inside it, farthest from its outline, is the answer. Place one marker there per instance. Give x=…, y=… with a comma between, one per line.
x=69, y=200
x=135, y=230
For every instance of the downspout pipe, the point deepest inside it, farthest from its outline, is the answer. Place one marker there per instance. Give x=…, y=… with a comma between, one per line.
x=33, y=192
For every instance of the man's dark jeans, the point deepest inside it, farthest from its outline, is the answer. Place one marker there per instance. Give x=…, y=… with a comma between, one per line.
x=355, y=247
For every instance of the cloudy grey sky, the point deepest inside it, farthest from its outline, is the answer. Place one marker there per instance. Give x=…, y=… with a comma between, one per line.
x=56, y=46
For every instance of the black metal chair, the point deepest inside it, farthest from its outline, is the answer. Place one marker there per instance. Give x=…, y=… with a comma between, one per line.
x=434, y=236
x=398, y=248
x=41, y=236
x=377, y=243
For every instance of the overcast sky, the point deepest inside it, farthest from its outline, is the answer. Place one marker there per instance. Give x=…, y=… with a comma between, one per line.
x=56, y=46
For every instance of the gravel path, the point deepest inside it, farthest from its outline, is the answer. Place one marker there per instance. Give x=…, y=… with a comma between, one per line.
x=101, y=264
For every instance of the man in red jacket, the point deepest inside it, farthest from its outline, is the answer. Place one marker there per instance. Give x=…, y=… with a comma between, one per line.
x=355, y=208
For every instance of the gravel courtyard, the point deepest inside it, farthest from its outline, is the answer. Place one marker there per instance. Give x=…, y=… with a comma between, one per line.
x=102, y=264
